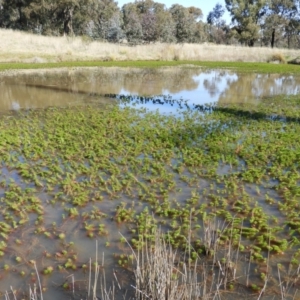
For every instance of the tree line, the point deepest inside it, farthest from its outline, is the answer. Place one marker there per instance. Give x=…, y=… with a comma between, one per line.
x=253, y=22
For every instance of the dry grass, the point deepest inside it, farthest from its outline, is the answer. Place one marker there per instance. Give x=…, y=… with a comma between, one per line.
x=19, y=46
x=278, y=57
x=162, y=273
x=34, y=292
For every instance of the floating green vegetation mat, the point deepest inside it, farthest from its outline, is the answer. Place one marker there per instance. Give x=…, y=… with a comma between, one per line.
x=126, y=168
x=238, y=66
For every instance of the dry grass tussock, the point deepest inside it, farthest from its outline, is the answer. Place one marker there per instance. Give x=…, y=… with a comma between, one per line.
x=19, y=46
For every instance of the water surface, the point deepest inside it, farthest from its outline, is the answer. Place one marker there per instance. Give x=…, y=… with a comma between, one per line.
x=193, y=85
x=102, y=86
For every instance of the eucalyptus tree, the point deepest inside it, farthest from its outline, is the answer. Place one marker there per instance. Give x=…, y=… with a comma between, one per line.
x=148, y=21
x=132, y=24
x=47, y=16
x=156, y=21
x=115, y=32
x=280, y=20
x=201, y=34
x=66, y=12
x=293, y=28
x=166, y=28
x=185, y=22
x=246, y=18
x=147, y=16
x=215, y=16
x=105, y=20
x=217, y=28
x=292, y=32
x=23, y=14
x=165, y=25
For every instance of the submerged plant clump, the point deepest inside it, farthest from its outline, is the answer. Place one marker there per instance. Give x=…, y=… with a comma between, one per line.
x=212, y=178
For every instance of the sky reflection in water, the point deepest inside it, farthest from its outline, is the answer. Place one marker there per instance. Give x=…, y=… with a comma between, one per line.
x=71, y=87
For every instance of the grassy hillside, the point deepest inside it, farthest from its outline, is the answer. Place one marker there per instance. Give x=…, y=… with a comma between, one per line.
x=24, y=47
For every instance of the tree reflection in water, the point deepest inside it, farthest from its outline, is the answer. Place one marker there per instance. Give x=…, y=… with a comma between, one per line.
x=93, y=85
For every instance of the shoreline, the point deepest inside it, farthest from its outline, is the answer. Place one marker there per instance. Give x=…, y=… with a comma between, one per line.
x=243, y=67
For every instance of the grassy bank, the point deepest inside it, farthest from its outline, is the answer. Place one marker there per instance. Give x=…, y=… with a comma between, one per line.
x=238, y=66
x=19, y=46
x=20, y=50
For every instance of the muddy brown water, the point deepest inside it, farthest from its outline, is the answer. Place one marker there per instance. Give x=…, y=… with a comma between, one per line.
x=39, y=89
x=67, y=87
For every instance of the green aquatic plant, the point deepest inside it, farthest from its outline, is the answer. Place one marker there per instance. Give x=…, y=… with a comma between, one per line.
x=18, y=259
x=48, y=270
x=124, y=214
x=134, y=169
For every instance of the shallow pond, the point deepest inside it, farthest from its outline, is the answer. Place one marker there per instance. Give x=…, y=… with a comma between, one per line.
x=96, y=85
x=96, y=170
